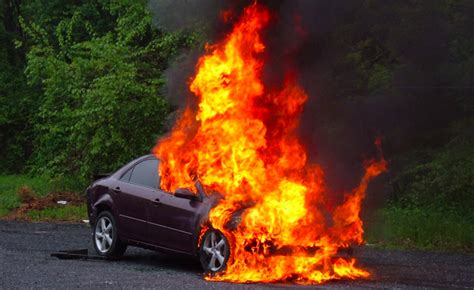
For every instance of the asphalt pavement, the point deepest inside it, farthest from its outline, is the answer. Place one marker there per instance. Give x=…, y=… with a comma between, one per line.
x=25, y=262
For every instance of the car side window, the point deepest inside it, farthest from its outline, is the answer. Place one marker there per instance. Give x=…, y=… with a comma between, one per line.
x=145, y=173
x=126, y=176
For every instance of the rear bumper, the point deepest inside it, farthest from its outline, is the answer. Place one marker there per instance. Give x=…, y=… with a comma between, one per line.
x=91, y=211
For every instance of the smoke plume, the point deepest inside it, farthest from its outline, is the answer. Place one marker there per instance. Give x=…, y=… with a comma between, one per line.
x=341, y=119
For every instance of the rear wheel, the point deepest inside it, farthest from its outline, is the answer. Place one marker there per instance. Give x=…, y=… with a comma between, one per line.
x=105, y=238
x=214, y=252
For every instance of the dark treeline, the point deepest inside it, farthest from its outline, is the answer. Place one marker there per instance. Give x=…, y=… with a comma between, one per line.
x=83, y=88
x=403, y=70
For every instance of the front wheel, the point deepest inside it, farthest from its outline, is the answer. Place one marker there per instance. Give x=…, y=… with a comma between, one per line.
x=105, y=238
x=214, y=252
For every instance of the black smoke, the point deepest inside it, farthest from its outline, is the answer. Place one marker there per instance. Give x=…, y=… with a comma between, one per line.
x=414, y=95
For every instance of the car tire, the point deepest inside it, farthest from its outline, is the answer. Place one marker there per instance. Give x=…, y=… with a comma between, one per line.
x=214, y=251
x=105, y=239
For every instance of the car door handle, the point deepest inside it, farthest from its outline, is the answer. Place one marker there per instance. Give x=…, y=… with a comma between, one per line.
x=156, y=201
x=116, y=190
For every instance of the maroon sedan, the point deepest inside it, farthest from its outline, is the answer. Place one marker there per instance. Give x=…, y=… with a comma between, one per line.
x=129, y=208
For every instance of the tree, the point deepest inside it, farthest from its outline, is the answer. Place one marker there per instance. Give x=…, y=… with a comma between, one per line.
x=17, y=100
x=100, y=79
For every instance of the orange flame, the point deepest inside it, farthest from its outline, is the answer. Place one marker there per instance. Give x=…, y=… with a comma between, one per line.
x=242, y=143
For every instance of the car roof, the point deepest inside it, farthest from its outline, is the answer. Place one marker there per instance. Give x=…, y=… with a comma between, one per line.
x=148, y=156
x=133, y=163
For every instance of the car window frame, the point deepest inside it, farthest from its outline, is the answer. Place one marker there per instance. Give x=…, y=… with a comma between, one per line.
x=157, y=186
x=126, y=172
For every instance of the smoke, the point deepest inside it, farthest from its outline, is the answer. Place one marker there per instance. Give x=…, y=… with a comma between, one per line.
x=295, y=42
x=178, y=76
x=173, y=15
x=316, y=39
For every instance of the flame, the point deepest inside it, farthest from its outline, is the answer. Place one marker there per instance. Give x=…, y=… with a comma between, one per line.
x=241, y=142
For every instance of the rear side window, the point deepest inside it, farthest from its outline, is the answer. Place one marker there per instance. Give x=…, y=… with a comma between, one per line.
x=126, y=176
x=145, y=173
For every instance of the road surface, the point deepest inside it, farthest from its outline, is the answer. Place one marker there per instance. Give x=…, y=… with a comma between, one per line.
x=25, y=262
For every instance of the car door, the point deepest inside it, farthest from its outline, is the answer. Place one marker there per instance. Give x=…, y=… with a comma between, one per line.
x=137, y=187
x=173, y=222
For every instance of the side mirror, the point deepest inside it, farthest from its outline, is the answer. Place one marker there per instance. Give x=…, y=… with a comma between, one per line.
x=186, y=193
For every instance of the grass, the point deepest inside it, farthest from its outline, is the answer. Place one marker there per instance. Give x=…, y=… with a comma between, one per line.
x=10, y=197
x=63, y=213
x=425, y=228
x=432, y=196
x=9, y=186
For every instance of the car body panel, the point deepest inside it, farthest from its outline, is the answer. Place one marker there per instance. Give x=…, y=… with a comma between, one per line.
x=174, y=218
x=149, y=217
x=131, y=202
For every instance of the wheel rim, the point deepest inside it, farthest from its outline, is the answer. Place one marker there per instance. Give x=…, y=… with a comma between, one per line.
x=216, y=249
x=103, y=234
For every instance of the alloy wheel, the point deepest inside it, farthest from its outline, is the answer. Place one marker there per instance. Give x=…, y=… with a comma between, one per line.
x=104, y=234
x=216, y=249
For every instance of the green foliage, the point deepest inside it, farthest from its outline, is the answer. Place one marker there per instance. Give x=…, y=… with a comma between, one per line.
x=386, y=44
x=16, y=100
x=9, y=200
x=388, y=48
x=101, y=104
x=423, y=228
x=62, y=183
x=9, y=186
x=444, y=176
x=433, y=195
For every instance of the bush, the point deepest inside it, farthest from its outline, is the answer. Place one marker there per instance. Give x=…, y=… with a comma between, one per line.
x=433, y=197
x=441, y=177
x=101, y=104
x=424, y=228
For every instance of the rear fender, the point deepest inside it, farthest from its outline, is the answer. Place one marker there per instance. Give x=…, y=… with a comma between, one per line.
x=104, y=202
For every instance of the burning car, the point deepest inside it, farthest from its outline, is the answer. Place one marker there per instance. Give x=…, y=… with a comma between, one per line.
x=274, y=222
x=129, y=208
x=241, y=139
